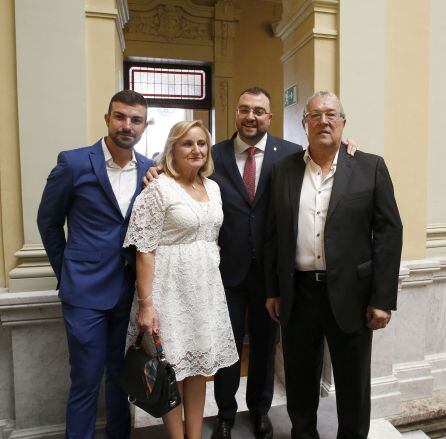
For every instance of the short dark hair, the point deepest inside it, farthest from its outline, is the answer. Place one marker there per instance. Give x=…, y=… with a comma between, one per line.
x=128, y=97
x=256, y=91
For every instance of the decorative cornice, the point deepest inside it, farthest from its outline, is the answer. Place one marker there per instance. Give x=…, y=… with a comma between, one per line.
x=225, y=10
x=107, y=13
x=120, y=15
x=421, y=272
x=436, y=235
x=31, y=251
x=326, y=34
x=309, y=7
x=187, y=5
x=34, y=271
x=18, y=309
x=172, y=22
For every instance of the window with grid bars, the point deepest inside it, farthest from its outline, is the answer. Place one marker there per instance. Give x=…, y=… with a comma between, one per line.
x=177, y=86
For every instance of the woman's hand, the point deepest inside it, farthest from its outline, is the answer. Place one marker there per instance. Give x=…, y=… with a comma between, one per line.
x=148, y=318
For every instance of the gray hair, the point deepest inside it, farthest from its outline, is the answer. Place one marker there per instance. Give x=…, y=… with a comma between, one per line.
x=323, y=94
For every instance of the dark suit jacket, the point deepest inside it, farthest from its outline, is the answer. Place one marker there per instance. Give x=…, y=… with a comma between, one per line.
x=243, y=230
x=89, y=264
x=363, y=237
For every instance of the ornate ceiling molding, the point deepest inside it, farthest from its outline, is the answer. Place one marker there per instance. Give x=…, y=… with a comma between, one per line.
x=120, y=15
x=171, y=21
x=308, y=8
x=307, y=17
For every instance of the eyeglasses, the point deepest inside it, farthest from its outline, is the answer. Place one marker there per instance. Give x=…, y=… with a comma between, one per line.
x=316, y=116
x=257, y=111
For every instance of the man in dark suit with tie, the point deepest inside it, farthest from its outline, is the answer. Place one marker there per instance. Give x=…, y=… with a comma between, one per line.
x=242, y=170
x=332, y=257
x=93, y=190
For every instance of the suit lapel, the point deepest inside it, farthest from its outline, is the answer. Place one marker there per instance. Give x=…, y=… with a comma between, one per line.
x=296, y=174
x=343, y=172
x=98, y=162
x=228, y=156
x=142, y=166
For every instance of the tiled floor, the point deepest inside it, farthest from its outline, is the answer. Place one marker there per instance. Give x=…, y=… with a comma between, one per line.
x=142, y=419
x=242, y=428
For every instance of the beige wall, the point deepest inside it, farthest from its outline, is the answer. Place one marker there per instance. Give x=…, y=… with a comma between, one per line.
x=51, y=92
x=103, y=58
x=11, y=233
x=376, y=56
x=361, y=71
x=257, y=55
x=310, y=56
x=406, y=115
x=384, y=80
x=436, y=199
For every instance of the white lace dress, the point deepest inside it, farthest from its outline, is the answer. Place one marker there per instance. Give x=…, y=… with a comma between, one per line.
x=187, y=289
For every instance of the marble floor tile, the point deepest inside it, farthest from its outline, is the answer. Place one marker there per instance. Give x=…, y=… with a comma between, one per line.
x=143, y=419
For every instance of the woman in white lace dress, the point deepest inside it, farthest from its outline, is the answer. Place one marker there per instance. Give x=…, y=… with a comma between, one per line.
x=174, y=225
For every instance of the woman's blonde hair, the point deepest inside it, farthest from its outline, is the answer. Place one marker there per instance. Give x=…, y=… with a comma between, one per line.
x=176, y=132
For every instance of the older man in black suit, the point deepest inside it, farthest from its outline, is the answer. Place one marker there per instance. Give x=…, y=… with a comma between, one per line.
x=332, y=258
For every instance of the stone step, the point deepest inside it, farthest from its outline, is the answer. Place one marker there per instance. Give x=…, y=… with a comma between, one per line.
x=383, y=429
x=418, y=434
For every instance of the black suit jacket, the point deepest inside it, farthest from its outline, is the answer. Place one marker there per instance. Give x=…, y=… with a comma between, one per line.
x=243, y=230
x=363, y=237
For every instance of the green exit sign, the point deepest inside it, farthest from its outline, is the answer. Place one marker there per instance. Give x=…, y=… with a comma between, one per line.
x=290, y=96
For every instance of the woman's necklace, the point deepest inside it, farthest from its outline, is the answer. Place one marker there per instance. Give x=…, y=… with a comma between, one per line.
x=195, y=185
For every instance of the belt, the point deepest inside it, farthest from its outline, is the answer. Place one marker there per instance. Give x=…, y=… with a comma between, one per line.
x=315, y=276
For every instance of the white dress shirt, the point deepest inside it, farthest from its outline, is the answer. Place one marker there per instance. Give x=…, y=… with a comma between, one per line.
x=241, y=154
x=313, y=207
x=123, y=180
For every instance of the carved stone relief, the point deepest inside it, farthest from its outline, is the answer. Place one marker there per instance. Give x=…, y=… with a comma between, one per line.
x=224, y=38
x=169, y=22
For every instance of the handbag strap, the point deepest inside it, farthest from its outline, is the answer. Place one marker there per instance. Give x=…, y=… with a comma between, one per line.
x=158, y=345
x=156, y=342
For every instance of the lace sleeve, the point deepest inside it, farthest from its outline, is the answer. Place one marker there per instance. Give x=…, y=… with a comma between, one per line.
x=146, y=222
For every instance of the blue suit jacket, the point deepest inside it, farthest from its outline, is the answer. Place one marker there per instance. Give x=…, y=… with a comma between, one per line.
x=243, y=230
x=90, y=265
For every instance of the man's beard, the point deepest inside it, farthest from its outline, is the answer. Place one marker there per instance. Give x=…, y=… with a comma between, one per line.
x=118, y=141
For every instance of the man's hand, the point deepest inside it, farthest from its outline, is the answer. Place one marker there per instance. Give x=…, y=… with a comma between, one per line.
x=273, y=308
x=377, y=318
x=351, y=145
x=151, y=174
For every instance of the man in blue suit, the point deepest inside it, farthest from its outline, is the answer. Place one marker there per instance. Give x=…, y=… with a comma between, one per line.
x=242, y=169
x=93, y=189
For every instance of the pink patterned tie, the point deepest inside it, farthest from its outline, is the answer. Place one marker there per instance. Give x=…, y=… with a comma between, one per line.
x=249, y=172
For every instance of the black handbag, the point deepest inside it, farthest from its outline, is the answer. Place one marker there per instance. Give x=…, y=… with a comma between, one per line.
x=149, y=379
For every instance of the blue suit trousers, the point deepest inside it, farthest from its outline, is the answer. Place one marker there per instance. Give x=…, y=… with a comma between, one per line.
x=96, y=343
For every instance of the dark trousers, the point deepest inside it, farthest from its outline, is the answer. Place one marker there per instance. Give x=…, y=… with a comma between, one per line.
x=248, y=298
x=96, y=341
x=312, y=319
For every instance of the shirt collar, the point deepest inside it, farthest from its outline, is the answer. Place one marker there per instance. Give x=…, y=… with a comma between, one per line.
x=307, y=158
x=109, y=159
x=241, y=146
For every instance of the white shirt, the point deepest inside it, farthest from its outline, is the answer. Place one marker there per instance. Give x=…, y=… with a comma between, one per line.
x=123, y=180
x=241, y=154
x=313, y=207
